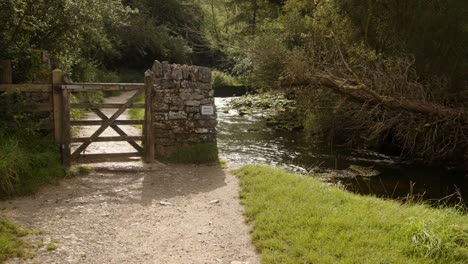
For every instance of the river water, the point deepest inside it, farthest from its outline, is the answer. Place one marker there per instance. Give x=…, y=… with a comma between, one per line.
x=247, y=140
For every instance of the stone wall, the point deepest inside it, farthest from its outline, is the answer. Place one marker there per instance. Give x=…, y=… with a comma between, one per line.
x=184, y=111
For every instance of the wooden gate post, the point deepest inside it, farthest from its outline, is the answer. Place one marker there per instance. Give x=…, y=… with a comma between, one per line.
x=61, y=101
x=66, y=134
x=57, y=81
x=6, y=73
x=148, y=125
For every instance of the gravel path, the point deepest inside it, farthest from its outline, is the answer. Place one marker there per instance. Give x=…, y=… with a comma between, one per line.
x=136, y=213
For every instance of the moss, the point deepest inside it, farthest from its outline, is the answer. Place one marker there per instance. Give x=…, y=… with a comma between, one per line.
x=51, y=247
x=201, y=153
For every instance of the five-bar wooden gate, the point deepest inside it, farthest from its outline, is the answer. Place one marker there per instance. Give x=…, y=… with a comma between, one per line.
x=145, y=150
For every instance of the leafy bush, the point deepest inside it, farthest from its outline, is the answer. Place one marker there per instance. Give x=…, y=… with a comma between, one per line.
x=27, y=163
x=28, y=156
x=220, y=79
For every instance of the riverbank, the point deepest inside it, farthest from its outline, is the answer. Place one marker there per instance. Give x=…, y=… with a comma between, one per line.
x=299, y=219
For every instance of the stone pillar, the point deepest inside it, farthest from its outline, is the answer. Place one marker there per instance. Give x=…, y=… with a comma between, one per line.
x=184, y=111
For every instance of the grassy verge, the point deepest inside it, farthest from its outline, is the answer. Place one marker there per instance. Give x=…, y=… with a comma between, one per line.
x=11, y=244
x=201, y=153
x=26, y=163
x=298, y=219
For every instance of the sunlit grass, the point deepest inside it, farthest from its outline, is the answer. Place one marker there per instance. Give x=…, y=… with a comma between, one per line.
x=298, y=219
x=11, y=244
x=138, y=113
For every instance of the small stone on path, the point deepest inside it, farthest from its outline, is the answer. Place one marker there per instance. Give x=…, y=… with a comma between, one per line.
x=164, y=203
x=214, y=202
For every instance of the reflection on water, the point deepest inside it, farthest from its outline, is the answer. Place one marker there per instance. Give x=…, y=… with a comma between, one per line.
x=247, y=140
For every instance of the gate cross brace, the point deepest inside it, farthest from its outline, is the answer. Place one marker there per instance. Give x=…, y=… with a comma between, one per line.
x=116, y=128
x=108, y=122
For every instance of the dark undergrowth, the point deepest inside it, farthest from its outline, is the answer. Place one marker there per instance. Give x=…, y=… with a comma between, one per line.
x=26, y=163
x=29, y=157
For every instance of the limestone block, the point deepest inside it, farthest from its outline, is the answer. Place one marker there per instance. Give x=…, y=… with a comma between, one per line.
x=193, y=74
x=207, y=101
x=157, y=69
x=207, y=123
x=192, y=110
x=204, y=75
x=166, y=70
x=160, y=107
x=160, y=117
x=176, y=72
x=176, y=101
x=159, y=125
x=177, y=115
x=192, y=103
x=185, y=96
x=185, y=72
x=205, y=86
x=201, y=130
x=188, y=85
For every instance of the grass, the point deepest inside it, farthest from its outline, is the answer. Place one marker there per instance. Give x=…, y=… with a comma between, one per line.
x=11, y=244
x=51, y=247
x=26, y=163
x=299, y=219
x=138, y=113
x=201, y=153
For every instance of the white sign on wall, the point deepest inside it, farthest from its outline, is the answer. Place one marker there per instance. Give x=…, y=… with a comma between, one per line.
x=207, y=110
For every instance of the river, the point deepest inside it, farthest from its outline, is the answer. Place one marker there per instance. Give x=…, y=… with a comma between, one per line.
x=247, y=140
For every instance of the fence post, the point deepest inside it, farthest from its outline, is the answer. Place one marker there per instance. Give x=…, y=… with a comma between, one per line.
x=57, y=80
x=148, y=126
x=6, y=73
x=61, y=103
x=66, y=136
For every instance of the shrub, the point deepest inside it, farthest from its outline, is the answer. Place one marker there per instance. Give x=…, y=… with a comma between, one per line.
x=221, y=80
x=28, y=156
x=27, y=163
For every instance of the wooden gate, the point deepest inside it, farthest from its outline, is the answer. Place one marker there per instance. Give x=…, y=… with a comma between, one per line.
x=145, y=150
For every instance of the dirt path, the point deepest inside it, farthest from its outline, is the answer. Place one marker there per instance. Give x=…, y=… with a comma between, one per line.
x=135, y=213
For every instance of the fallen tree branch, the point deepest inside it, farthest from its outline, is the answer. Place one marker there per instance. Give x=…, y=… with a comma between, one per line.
x=362, y=94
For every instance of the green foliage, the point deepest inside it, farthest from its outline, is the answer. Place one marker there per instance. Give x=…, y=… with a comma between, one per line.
x=27, y=163
x=89, y=39
x=51, y=247
x=434, y=32
x=220, y=79
x=11, y=244
x=71, y=31
x=28, y=157
x=201, y=153
x=267, y=55
x=299, y=219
